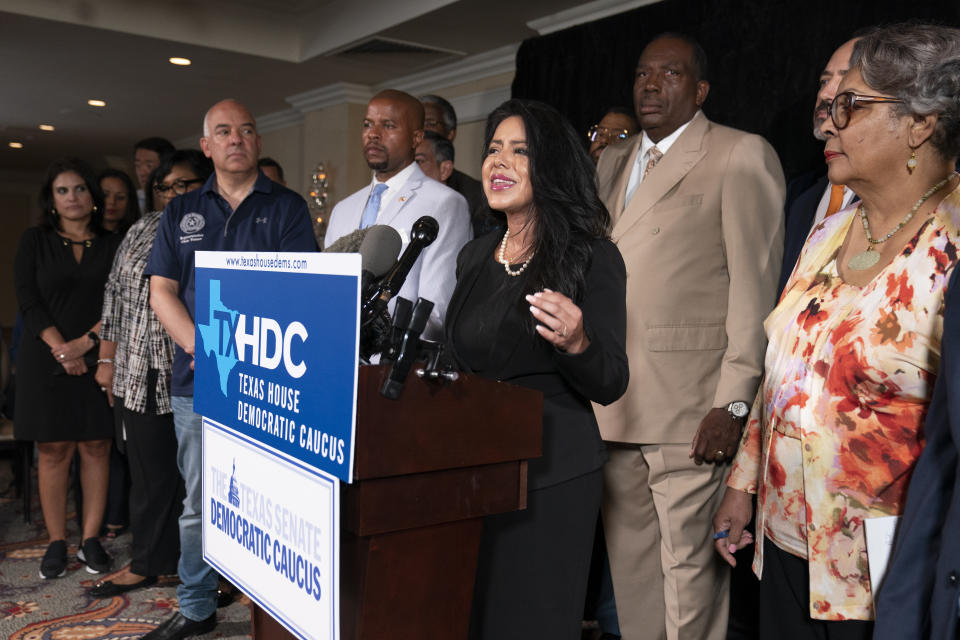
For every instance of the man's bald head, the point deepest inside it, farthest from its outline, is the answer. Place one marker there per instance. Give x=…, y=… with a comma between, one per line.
x=411, y=107
x=228, y=104
x=230, y=139
x=392, y=129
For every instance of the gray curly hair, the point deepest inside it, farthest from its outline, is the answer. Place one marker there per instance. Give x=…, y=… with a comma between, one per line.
x=920, y=64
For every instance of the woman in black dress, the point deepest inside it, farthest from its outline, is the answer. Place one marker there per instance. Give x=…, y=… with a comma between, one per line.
x=59, y=272
x=542, y=305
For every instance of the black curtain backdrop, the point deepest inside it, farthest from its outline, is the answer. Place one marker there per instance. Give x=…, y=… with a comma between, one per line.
x=765, y=58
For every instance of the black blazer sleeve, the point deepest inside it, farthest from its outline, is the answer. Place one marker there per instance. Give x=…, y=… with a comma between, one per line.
x=36, y=315
x=911, y=588
x=600, y=373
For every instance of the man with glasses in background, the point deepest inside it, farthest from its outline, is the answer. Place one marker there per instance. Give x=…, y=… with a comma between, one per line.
x=618, y=123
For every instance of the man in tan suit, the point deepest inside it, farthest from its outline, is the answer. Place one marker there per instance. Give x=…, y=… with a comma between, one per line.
x=697, y=214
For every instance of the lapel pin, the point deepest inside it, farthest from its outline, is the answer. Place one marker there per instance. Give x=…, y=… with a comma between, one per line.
x=403, y=198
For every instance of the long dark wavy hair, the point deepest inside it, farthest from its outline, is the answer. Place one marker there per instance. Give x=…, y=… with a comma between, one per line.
x=568, y=213
x=132, y=214
x=51, y=220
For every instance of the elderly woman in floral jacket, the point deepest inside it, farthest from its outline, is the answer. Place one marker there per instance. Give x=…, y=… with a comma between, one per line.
x=854, y=343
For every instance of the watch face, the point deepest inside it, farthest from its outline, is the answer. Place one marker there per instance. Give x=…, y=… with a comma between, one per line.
x=739, y=409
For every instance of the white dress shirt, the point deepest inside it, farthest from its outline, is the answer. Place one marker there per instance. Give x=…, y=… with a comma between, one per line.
x=394, y=185
x=643, y=155
x=848, y=197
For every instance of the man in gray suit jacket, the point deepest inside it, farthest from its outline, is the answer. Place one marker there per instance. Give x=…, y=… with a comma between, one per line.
x=399, y=194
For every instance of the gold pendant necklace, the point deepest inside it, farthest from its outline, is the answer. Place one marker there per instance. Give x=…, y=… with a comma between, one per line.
x=869, y=256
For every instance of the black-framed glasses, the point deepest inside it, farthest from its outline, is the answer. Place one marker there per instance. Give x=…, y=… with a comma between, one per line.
x=179, y=187
x=597, y=132
x=843, y=105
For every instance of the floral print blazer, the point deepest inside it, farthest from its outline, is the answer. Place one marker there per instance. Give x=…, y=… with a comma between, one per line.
x=836, y=427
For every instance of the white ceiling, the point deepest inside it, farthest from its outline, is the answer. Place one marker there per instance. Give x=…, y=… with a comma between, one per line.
x=56, y=54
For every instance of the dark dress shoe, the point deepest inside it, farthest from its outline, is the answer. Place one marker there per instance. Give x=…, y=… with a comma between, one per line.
x=177, y=626
x=108, y=589
x=226, y=595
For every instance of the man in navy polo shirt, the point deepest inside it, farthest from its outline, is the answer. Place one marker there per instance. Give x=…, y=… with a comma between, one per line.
x=238, y=209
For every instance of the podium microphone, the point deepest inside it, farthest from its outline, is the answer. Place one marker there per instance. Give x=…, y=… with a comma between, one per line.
x=423, y=233
x=378, y=246
x=408, y=351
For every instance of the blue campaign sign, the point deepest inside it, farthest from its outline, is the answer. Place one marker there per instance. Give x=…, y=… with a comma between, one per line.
x=276, y=351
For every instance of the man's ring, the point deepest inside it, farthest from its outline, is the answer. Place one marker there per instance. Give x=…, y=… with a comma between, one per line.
x=63, y=356
x=720, y=455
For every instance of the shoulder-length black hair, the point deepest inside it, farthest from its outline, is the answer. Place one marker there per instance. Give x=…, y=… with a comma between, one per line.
x=200, y=164
x=568, y=212
x=132, y=214
x=48, y=217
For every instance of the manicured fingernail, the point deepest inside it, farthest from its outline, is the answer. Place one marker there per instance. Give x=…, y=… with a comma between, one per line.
x=533, y=309
x=732, y=548
x=529, y=297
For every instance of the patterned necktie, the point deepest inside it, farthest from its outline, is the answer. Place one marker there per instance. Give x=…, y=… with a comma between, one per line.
x=373, y=206
x=836, y=199
x=653, y=157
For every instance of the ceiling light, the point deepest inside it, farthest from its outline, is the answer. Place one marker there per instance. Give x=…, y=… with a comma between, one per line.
x=180, y=62
x=16, y=145
x=96, y=103
x=46, y=127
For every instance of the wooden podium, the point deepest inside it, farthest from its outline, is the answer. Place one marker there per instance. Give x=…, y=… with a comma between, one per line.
x=427, y=468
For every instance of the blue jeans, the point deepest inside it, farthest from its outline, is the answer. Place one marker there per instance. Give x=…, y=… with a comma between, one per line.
x=197, y=592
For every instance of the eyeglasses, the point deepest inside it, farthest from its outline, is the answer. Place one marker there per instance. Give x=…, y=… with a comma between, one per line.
x=597, y=132
x=179, y=187
x=843, y=105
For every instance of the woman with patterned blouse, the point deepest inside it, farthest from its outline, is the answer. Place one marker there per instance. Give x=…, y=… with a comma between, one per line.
x=854, y=342
x=136, y=357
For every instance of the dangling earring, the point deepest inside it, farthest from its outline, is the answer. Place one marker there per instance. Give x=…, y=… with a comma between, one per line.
x=912, y=162
x=95, y=206
x=54, y=212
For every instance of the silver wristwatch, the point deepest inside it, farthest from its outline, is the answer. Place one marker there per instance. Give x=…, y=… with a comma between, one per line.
x=738, y=410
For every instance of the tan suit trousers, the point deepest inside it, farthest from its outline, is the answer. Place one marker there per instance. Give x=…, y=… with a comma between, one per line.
x=668, y=581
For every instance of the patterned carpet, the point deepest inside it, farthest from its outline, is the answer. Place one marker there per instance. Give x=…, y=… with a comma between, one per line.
x=35, y=609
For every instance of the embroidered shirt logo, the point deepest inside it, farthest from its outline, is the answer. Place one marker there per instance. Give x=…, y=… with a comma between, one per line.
x=262, y=220
x=192, y=223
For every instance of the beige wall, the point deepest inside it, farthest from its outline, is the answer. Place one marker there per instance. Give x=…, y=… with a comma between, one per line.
x=468, y=146
x=286, y=147
x=332, y=136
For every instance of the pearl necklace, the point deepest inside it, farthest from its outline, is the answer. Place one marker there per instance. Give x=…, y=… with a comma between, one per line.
x=501, y=257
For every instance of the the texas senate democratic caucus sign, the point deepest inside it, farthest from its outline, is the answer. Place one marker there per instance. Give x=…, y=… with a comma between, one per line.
x=276, y=378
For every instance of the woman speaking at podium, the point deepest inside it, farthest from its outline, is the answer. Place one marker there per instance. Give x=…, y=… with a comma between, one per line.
x=542, y=305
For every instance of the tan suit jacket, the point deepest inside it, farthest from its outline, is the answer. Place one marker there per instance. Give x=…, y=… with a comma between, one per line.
x=702, y=239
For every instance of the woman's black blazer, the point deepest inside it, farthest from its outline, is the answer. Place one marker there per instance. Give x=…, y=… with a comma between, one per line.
x=571, y=440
